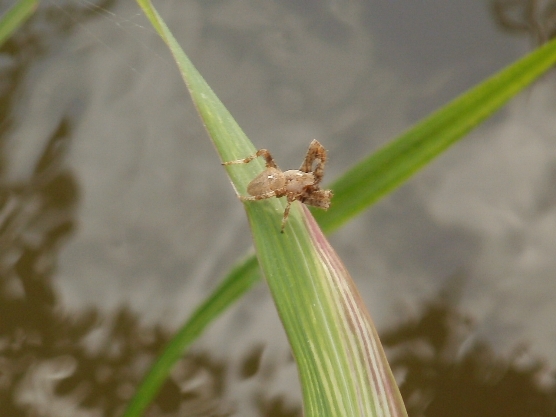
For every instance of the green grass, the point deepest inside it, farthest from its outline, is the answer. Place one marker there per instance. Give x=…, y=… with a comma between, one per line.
x=332, y=337
x=15, y=17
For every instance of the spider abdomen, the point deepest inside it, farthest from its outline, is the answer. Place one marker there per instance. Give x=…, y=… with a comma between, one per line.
x=271, y=179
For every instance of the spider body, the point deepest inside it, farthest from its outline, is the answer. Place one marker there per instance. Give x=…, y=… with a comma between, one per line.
x=295, y=184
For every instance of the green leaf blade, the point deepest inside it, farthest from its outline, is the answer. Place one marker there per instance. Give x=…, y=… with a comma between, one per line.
x=359, y=188
x=15, y=17
x=227, y=136
x=342, y=366
x=389, y=167
x=299, y=280
x=374, y=383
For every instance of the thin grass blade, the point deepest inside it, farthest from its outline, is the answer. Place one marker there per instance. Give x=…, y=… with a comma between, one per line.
x=343, y=368
x=12, y=19
x=238, y=282
x=294, y=270
x=383, y=171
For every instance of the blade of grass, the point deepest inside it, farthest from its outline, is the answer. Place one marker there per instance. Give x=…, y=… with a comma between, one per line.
x=217, y=120
x=341, y=363
x=386, y=169
x=404, y=155
x=294, y=267
x=15, y=17
x=383, y=171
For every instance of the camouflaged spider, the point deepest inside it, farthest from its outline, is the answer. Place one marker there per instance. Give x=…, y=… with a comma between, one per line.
x=295, y=184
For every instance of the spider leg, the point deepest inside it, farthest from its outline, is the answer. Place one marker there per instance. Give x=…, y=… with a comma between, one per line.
x=263, y=196
x=316, y=152
x=261, y=152
x=286, y=214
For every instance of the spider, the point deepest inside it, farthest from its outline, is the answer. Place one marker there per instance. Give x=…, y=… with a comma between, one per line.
x=295, y=184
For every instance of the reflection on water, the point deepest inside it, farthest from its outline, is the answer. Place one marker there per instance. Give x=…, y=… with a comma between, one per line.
x=536, y=18
x=88, y=363
x=447, y=373
x=83, y=364
x=55, y=364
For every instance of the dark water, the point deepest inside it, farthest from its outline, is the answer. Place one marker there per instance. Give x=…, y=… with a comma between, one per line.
x=116, y=218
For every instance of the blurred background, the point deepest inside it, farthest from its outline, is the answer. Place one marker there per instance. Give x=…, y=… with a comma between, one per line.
x=117, y=220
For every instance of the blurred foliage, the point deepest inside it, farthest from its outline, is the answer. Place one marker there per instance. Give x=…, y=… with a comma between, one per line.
x=536, y=18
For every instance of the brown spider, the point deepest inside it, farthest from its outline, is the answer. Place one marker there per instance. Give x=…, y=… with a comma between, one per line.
x=295, y=184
